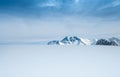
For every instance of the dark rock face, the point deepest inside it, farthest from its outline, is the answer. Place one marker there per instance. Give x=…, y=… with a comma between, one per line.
x=103, y=42
x=55, y=42
x=65, y=40
x=106, y=42
x=70, y=40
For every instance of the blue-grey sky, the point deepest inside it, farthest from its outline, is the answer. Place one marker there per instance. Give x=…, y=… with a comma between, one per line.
x=47, y=18
x=39, y=7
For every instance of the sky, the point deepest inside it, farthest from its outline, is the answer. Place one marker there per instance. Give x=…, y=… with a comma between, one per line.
x=42, y=19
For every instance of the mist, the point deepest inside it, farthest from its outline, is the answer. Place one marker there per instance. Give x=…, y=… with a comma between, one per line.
x=23, y=28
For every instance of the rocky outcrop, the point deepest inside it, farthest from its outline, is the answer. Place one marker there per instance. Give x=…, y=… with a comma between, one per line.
x=106, y=42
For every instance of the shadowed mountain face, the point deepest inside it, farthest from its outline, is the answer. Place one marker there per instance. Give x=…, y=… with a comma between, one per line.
x=106, y=42
x=72, y=40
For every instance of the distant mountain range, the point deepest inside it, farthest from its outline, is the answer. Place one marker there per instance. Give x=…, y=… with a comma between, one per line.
x=74, y=40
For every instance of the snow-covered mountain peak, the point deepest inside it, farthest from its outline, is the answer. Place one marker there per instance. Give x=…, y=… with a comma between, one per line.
x=74, y=40
x=70, y=40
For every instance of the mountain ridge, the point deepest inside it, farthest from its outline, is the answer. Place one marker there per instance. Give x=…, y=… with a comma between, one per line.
x=74, y=40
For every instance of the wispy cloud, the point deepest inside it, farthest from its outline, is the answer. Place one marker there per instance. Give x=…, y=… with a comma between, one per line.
x=60, y=6
x=50, y=3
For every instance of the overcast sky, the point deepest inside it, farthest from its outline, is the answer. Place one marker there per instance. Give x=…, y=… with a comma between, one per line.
x=20, y=19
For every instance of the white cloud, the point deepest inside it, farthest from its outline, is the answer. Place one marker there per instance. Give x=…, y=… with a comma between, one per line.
x=51, y=3
x=77, y=1
x=116, y=3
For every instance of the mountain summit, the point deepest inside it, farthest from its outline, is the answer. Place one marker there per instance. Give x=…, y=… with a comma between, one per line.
x=70, y=40
x=74, y=40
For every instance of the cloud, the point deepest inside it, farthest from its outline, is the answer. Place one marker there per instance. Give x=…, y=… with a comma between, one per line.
x=50, y=3
x=69, y=7
x=116, y=3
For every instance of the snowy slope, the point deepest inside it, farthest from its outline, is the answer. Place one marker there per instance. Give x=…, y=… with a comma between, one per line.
x=59, y=61
x=70, y=40
x=74, y=40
